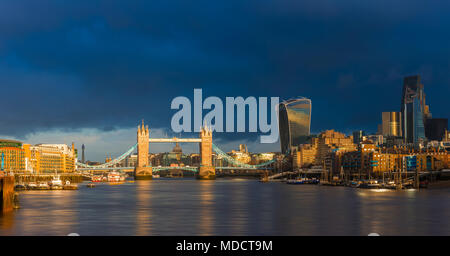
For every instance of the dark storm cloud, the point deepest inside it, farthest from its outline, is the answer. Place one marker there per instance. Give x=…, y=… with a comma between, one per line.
x=108, y=64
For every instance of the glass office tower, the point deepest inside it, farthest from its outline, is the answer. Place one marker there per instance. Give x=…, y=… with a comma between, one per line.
x=414, y=110
x=435, y=128
x=418, y=122
x=358, y=136
x=391, y=124
x=294, y=122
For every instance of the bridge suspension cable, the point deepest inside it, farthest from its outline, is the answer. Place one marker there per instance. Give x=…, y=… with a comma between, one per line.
x=234, y=162
x=110, y=163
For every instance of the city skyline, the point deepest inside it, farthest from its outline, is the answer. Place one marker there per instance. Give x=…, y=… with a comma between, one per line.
x=101, y=146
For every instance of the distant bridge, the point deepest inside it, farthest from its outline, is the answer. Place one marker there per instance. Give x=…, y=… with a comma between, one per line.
x=206, y=169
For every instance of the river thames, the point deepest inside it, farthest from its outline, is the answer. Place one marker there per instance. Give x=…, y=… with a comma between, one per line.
x=228, y=207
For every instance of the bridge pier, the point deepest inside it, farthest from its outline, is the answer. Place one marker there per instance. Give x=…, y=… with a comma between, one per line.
x=206, y=171
x=143, y=171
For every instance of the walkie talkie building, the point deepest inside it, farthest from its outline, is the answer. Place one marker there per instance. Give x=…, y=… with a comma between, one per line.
x=294, y=122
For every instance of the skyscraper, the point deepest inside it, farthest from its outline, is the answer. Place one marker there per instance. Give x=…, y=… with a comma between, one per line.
x=435, y=128
x=82, y=154
x=414, y=110
x=391, y=124
x=294, y=122
x=358, y=136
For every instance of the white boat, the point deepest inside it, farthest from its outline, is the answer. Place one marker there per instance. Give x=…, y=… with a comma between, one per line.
x=56, y=182
x=43, y=185
x=114, y=176
x=155, y=176
x=31, y=185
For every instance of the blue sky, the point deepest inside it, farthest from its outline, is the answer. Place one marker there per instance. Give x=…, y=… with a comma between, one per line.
x=67, y=67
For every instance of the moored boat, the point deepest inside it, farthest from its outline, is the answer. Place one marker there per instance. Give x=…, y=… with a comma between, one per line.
x=114, y=177
x=295, y=181
x=43, y=186
x=370, y=184
x=32, y=185
x=313, y=181
x=390, y=185
x=303, y=181
x=97, y=178
x=56, y=183
x=20, y=187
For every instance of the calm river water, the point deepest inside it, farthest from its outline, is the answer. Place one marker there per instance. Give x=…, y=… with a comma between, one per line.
x=228, y=207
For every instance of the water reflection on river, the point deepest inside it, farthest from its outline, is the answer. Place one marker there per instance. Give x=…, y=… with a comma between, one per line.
x=228, y=207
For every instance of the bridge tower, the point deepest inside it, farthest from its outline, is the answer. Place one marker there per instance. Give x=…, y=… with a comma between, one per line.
x=207, y=170
x=143, y=170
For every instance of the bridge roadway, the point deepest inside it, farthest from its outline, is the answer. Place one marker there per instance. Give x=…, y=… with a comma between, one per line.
x=171, y=140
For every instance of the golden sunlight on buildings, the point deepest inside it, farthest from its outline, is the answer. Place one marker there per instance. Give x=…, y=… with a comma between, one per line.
x=242, y=155
x=40, y=158
x=316, y=152
x=13, y=155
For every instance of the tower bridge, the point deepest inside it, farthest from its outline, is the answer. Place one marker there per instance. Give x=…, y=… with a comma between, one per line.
x=206, y=170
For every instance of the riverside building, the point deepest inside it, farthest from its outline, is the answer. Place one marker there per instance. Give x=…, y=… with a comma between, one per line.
x=372, y=161
x=316, y=152
x=41, y=158
x=13, y=155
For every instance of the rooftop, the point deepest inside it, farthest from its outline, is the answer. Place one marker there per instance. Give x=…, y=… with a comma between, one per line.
x=9, y=141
